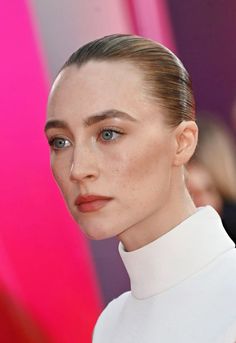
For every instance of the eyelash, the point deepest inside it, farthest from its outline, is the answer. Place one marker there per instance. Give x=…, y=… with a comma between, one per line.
x=111, y=129
x=52, y=141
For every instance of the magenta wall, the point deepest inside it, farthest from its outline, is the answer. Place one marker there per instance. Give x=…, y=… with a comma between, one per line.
x=44, y=259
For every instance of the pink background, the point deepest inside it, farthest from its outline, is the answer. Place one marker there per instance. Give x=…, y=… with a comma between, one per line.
x=44, y=258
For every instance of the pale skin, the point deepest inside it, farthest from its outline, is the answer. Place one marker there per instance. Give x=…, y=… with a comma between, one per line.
x=113, y=141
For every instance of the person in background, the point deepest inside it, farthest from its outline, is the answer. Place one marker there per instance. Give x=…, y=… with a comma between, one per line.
x=211, y=175
x=121, y=128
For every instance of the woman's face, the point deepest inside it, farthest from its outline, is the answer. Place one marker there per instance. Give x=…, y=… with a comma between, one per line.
x=107, y=140
x=202, y=187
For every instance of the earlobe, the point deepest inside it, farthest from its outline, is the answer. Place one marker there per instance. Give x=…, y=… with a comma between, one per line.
x=186, y=135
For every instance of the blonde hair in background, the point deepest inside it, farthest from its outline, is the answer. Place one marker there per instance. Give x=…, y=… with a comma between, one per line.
x=216, y=152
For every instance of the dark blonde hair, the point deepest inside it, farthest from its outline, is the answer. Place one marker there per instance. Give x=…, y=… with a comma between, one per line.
x=216, y=152
x=166, y=81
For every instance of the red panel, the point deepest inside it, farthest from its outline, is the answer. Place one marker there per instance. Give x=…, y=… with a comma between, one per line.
x=46, y=260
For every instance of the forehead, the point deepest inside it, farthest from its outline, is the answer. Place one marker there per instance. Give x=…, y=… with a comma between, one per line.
x=99, y=72
x=97, y=84
x=96, y=87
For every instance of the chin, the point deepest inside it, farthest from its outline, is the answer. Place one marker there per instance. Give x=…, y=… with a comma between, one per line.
x=93, y=229
x=96, y=232
x=97, y=226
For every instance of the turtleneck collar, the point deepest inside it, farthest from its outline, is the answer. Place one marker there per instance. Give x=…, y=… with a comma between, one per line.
x=178, y=254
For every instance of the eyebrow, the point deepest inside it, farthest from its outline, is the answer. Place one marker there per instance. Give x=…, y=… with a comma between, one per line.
x=93, y=119
x=55, y=124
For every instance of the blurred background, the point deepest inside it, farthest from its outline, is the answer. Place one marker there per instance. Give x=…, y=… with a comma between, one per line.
x=48, y=270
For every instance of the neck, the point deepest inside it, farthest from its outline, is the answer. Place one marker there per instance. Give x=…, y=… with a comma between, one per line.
x=178, y=208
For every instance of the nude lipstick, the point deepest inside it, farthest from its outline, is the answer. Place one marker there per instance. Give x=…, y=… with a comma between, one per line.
x=91, y=203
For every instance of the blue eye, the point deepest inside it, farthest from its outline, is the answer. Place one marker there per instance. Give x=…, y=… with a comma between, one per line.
x=109, y=134
x=59, y=143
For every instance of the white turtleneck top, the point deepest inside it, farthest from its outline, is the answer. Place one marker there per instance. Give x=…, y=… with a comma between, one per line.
x=183, y=288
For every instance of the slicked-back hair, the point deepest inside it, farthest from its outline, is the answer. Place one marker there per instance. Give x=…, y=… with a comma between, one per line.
x=166, y=81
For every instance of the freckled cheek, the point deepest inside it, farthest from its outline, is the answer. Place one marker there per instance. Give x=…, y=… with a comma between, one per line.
x=129, y=169
x=143, y=172
x=136, y=165
x=61, y=172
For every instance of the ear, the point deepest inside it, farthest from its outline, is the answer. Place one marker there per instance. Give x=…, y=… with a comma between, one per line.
x=186, y=136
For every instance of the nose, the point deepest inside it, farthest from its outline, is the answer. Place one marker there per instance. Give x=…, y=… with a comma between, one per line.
x=84, y=165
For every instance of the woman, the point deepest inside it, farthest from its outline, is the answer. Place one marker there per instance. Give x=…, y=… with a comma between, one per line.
x=121, y=127
x=212, y=171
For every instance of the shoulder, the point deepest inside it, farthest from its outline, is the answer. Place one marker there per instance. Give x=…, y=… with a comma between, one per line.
x=230, y=334
x=114, y=308
x=109, y=316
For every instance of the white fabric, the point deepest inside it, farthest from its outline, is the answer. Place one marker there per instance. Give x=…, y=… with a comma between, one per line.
x=183, y=288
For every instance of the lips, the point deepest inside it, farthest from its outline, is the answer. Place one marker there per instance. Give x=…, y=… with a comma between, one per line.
x=91, y=203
